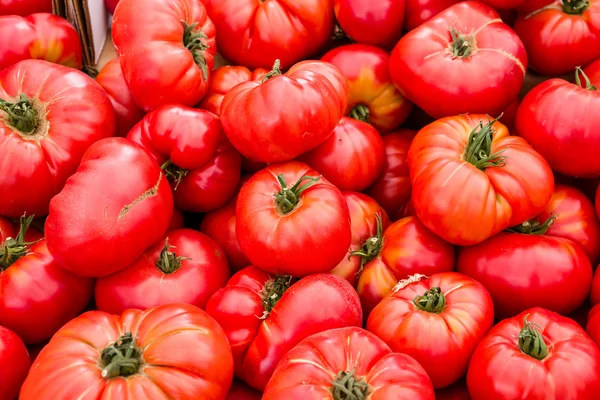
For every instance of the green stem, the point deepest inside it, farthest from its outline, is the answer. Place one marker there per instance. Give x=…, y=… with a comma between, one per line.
x=347, y=386
x=14, y=248
x=371, y=247
x=534, y=227
x=462, y=45
x=121, y=358
x=479, y=147
x=272, y=291
x=432, y=301
x=287, y=198
x=21, y=114
x=575, y=7
x=275, y=71
x=174, y=173
x=588, y=83
x=361, y=113
x=193, y=42
x=169, y=262
x=531, y=341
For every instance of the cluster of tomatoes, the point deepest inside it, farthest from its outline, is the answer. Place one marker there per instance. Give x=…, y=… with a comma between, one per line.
x=369, y=203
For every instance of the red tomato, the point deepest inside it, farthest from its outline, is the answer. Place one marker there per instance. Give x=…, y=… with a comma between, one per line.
x=24, y=7
x=537, y=354
x=392, y=189
x=184, y=267
x=503, y=4
x=457, y=391
x=289, y=220
x=509, y=115
x=329, y=365
x=430, y=64
x=17, y=35
x=113, y=82
x=222, y=80
x=593, y=324
x=438, y=320
x=240, y=391
x=592, y=71
x=557, y=118
x=263, y=319
x=483, y=179
x=14, y=364
x=111, y=5
x=166, y=49
x=177, y=220
x=57, y=113
x=529, y=6
x=420, y=11
x=256, y=33
x=373, y=98
x=175, y=351
x=98, y=225
x=371, y=22
x=561, y=36
x=595, y=291
x=282, y=116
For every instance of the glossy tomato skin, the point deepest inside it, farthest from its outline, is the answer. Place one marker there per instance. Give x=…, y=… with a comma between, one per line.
x=558, y=41
x=113, y=82
x=370, y=85
x=317, y=303
x=57, y=41
x=98, y=225
x=73, y=112
x=593, y=324
x=158, y=67
x=308, y=370
x=569, y=371
x=14, y=364
x=427, y=73
x=443, y=341
x=25, y=7
x=241, y=391
x=160, y=334
x=593, y=72
x=17, y=35
x=420, y=11
x=484, y=202
x=255, y=34
x=201, y=272
x=278, y=242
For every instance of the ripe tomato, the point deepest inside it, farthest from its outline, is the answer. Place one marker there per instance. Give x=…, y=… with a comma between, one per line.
x=503, y=4
x=177, y=220
x=593, y=324
x=329, y=364
x=392, y=189
x=537, y=354
x=485, y=180
x=263, y=319
x=430, y=64
x=241, y=391
x=282, y=116
x=256, y=33
x=592, y=71
x=184, y=267
x=595, y=291
x=24, y=7
x=111, y=5
x=14, y=364
x=420, y=11
x=166, y=49
x=175, y=351
x=561, y=36
x=373, y=98
x=563, y=131
x=113, y=82
x=98, y=225
x=289, y=220
x=438, y=320
x=457, y=391
x=49, y=116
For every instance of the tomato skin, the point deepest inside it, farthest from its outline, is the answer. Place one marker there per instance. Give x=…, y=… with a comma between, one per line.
x=314, y=304
x=567, y=41
x=308, y=370
x=422, y=64
x=191, y=374
x=111, y=5
x=367, y=71
x=240, y=391
x=149, y=38
x=593, y=72
x=503, y=4
x=483, y=202
x=569, y=372
x=94, y=214
x=177, y=220
x=457, y=391
x=593, y=324
x=36, y=166
x=57, y=40
x=17, y=35
x=25, y=7
x=441, y=342
x=14, y=364
x=320, y=216
x=113, y=82
x=420, y=11
x=255, y=34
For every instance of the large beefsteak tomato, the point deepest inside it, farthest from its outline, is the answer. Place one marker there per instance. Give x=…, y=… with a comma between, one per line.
x=14, y=364
x=25, y=7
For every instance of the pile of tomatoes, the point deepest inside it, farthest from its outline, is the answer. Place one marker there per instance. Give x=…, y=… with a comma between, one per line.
x=368, y=200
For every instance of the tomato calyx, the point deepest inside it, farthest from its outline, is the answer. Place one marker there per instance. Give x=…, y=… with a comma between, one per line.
x=275, y=71
x=575, y=7
x=193, y=42
x=21, y=114
x=371, y=247
x=174, y=173
x=432, y=301
x=121, y=358
x=287, y=198
x=361, y=113
x=14, y=248
x=169, y=262
x=531, y=341
x=272, y=291
x=588, y=83
x=462, y=45
x=479, y=147
x=534, y=227
x=347, y=386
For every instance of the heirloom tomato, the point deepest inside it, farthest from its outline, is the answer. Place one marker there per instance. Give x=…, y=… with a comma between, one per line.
x=256, y=33
x=471, y=180
x=189, y=145
x=14, y=364
x=264, y=317
x=561, y=36
x=373, y=98
x=331, y=364
x=464, y=60
x=279, y=117
x=25, y=7
x=420, y=11
x=537, y=354
x=593, y=324
x=98, y=225
x=175, y=351
x=49, y=116
x=166, y=49
x=113, y=82
x=290, y=220
x=184, y=267
x=241, y=391
x=438, y=320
